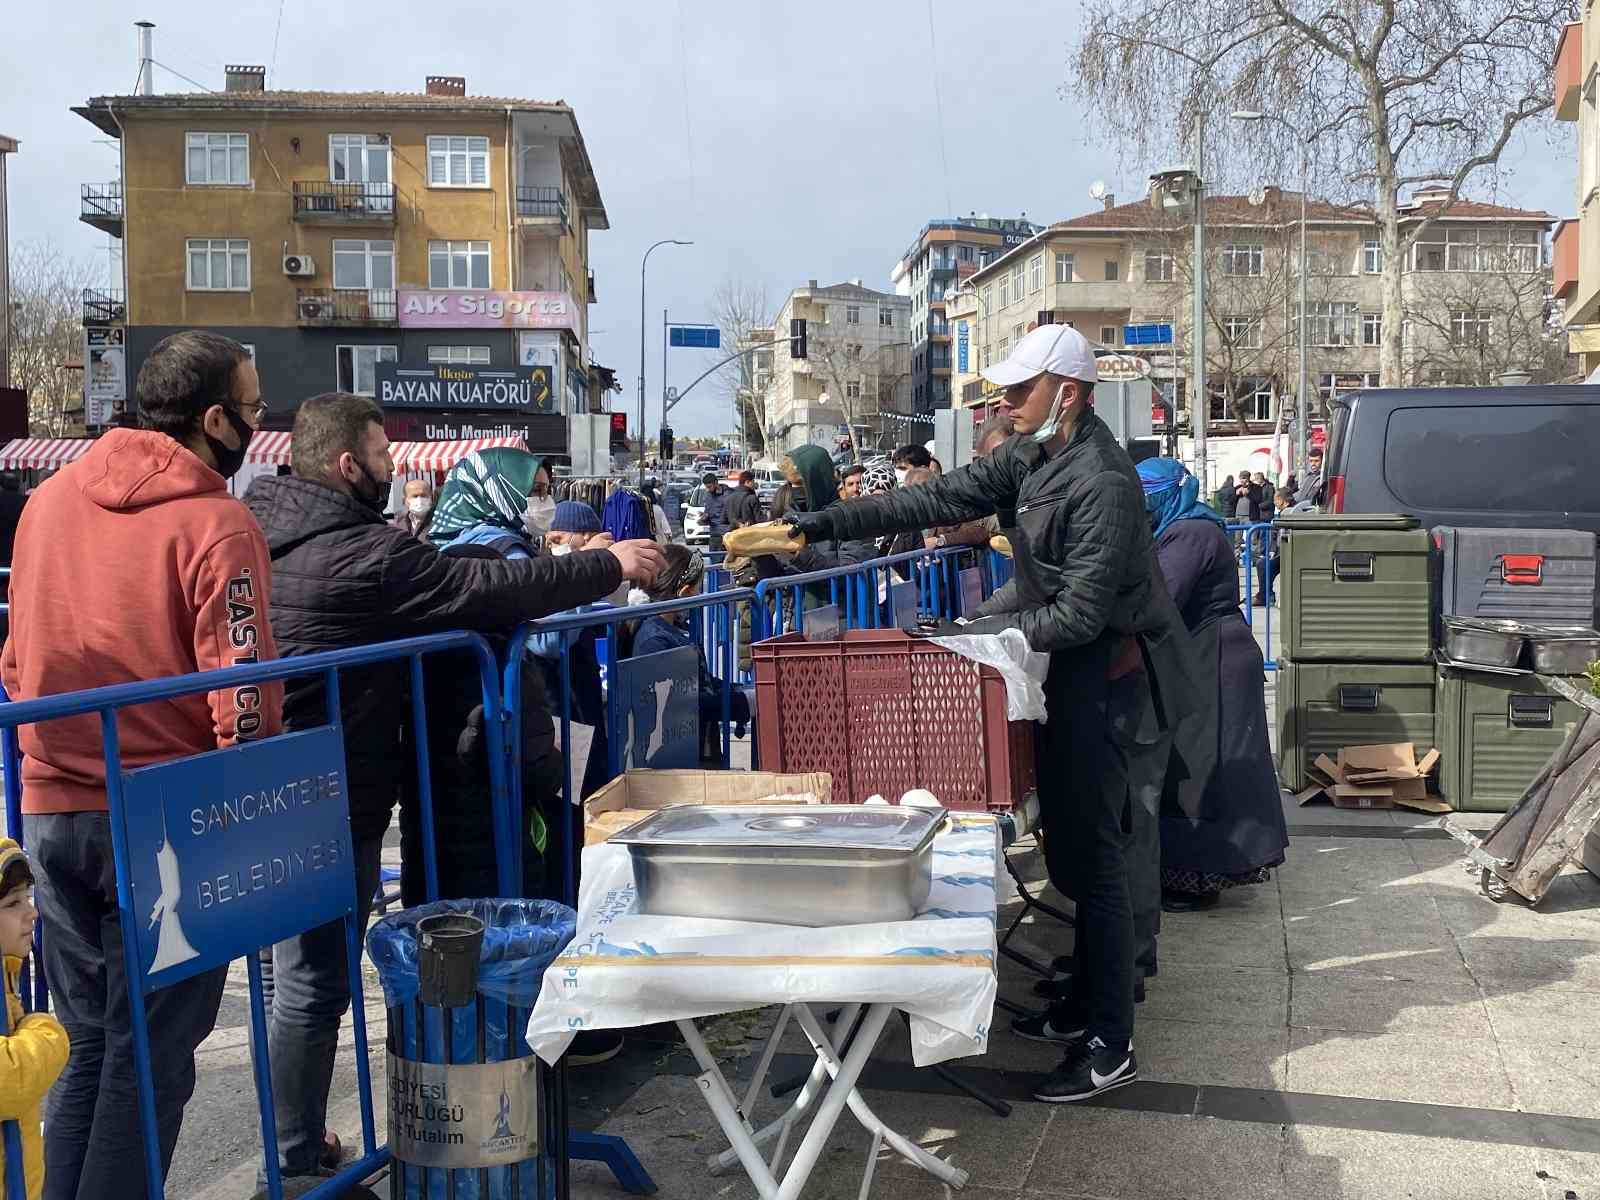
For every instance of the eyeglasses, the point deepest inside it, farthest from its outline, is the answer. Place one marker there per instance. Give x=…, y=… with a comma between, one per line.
x=254, y=413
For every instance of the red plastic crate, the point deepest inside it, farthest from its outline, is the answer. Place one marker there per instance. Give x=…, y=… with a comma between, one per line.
x=884, y=712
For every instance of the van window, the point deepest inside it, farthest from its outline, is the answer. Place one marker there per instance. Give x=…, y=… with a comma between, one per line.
x=1518, y=458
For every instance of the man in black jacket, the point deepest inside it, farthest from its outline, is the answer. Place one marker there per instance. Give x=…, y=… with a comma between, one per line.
x=1090, y=594
x=342, y=576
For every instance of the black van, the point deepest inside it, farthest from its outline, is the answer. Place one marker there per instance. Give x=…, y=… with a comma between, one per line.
x=1507, y=456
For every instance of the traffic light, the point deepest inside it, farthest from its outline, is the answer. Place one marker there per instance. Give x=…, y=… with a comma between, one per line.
x=619, y=430
x=666, y=445
x=797, y=337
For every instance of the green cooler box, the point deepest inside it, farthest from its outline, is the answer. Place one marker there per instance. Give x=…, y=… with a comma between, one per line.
x=1355, y=588
x=1325, y=706
x=1496, y=732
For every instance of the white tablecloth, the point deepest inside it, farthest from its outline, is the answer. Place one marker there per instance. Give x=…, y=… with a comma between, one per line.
x=625, y=969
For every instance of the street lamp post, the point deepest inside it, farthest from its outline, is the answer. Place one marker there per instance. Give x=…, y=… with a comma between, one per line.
x=643, y=263
x=1302, y=422
x=970, y=289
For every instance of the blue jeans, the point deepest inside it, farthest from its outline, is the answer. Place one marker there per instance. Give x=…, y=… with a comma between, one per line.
x=93, y=1147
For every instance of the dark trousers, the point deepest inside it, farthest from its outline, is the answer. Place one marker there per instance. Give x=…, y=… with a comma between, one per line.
x=93, y=1147
x=1144, y=881
x=1266, y=576
x=1115, y=762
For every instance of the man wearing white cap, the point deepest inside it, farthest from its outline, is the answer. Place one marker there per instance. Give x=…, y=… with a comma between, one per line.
x=1090, y=594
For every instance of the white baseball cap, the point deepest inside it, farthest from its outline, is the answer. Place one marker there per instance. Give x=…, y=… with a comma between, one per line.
x=1058, y=349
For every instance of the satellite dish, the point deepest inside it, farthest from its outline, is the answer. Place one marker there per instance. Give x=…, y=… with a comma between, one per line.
x=1097, y=190
x=1258, y=197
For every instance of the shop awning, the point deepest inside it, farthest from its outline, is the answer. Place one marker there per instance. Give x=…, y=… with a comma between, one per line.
x=441, y=456
x=42, y=453
x=269, y=447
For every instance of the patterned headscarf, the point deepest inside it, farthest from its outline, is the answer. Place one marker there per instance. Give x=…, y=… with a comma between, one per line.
x=1171, y=494
x=487, y=487
x=877, y=479
x=685, y=568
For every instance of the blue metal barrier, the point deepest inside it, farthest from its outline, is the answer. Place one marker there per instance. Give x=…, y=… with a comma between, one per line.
x=105, y=702
x=1256, y=550
x=857, y=586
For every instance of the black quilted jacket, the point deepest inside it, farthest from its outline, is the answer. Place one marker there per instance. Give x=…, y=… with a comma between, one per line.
x=342, y=576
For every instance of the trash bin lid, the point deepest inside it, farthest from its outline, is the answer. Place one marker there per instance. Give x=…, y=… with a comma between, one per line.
x=1333, y=521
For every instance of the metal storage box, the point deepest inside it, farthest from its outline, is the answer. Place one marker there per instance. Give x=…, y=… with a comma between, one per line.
x=1355, y=588
x=1541, y=575
x=813, y=865
x=1322, y=707
x=1495, y=734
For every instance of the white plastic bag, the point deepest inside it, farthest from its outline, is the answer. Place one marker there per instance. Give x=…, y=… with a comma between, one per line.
x=1022, y=667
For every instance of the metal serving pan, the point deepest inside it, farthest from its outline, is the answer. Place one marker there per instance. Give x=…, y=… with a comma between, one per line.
x=1564, y=649
x=1471, y=640
x=790, y=864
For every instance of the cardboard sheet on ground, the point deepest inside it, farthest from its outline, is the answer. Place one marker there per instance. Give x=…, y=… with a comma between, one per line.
x=1381, y=776
x=625, y=969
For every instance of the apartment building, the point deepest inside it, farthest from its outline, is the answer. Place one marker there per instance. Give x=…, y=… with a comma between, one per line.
x=1476, y=296
x=945, y=253
x=1576, y=247
x=841, y=371
x=370, y=242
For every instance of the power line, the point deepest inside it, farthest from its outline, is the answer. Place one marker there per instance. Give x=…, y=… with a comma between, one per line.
x=272, y=71
x=186, y=79
x=938, y=108
x=688, y=129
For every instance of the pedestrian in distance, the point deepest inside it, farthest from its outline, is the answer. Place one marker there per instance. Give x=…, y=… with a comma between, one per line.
x=718, y=518
x=133, y=563
x=1089, y=595
x=1222, y=823
x=416, y=512
x=744, y=506
x=1267, y=565
x=34, y=1047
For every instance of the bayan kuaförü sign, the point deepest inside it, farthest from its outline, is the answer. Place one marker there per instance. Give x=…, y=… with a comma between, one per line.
x=509, y=389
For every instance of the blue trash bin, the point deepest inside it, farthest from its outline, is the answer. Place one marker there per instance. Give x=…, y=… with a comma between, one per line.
x=465, y=1105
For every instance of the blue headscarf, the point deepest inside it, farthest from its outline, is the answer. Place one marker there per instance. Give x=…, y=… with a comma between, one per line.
x=1171, y=494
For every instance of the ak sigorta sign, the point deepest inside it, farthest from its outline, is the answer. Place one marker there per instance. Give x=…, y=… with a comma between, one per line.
x=504, y=389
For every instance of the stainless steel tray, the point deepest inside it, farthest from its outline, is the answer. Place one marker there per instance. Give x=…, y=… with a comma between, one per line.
x=1563, y=649
x=813, y=865
x=1477, y=642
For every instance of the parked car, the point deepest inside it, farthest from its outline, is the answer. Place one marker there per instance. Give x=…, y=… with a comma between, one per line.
x=695, y=530
x=768, y=480
x=1504, y=457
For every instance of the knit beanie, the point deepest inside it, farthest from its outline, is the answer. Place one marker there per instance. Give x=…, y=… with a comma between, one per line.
x=574, y=516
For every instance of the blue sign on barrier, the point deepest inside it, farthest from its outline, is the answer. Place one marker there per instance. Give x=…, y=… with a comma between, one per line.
x=660, y=696
x=236, y=849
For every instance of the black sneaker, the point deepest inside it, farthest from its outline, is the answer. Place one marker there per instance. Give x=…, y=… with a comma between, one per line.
x=594, y=1046
x=1088, y=1069
x=1038, y=1028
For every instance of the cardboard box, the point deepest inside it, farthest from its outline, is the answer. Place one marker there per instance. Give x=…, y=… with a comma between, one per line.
x=634, y=795
x=1380, y=776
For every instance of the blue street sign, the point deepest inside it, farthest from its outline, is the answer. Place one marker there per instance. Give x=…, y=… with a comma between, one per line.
x=961, y=346
x=236, y=849
x=694, y=337
x=1147, y=335
x=660, y=696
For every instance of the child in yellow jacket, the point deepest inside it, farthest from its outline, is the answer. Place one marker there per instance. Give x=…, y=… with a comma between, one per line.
x=34, y=1051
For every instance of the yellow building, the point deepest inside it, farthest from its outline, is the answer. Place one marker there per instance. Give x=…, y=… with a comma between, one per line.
x=337, y=233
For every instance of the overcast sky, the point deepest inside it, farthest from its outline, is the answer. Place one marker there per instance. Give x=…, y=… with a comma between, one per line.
x=789, y=142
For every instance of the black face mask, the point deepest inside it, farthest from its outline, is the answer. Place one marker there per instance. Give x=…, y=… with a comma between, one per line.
x=229, y=460
x=379, y=495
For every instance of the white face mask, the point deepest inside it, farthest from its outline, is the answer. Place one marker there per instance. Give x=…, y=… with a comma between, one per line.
x=419, y=506
x=561, y=550
x=537, y=516
x=1052, y=423
x=900, y=475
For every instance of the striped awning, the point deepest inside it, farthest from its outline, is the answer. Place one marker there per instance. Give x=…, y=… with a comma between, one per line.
x=43, y=453
x=269, y=447
x=441, y=456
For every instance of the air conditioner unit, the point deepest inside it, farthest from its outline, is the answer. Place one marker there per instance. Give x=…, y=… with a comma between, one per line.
x=315, y=308
x=298, y=264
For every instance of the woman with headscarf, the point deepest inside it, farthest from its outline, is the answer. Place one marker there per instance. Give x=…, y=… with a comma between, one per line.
x=1222, y=820
x=491, y=496
x=814, y=485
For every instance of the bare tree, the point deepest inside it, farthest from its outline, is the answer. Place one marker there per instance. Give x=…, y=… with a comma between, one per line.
x=744, y=313
x=1402, y=92
x=1476, y=326
x=47, y=334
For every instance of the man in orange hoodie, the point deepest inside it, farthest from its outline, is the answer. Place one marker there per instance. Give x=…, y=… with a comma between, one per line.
x=132, y=563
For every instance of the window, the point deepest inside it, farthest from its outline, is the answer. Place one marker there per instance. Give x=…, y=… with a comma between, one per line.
x=1256, y=397
x=1332, y=323
x=1371, y=258
x=1003, y=346
x=1241, y=258
x=983, y=357
x=365, y=265
x=1063, y=268
x=219, y=265
x=886, y=317
x=459, y=356
x=1018, y=330
x=1331, y=385
x=458, y=162
x=363, y=158
x=357, y=367
x=1157, y=266
x=1108, y=335
x=1005, y=290
x=1242, y=332
x=852, y=389
x=1016, y=282
x=454, y=265
x=1035, y=273
x=1113, y=270
x=1471, y=327
x=1372, y=329
x=1514, y=458
x=218, y=159
x=852, y=314
x=967, y=253
x=986, y=295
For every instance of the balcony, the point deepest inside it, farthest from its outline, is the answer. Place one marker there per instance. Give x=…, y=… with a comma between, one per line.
x=323, y=307
x=1564, y=267
x=343, y=203
x=1568, y=82
x=593, y=299
x=542, y=206
x=103, y=306
x=100, y=205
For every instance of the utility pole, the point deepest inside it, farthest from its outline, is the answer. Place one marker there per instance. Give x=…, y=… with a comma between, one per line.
x=7, y=146
x=643, y=264
x=1199, y=397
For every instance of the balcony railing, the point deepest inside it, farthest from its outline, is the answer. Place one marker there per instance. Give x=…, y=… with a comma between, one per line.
x=323, y=306
x=1564, y=264
x=343, y=202
x=542, y=202
x=101, y=206
x=103, y=306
